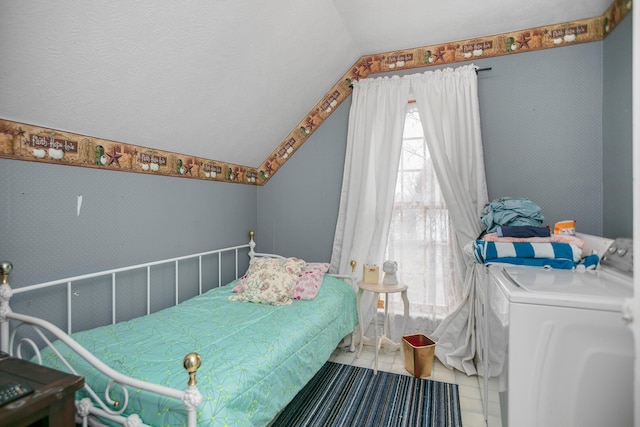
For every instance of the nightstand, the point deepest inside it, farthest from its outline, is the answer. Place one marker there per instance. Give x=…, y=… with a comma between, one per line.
x=377, y=289
x=51, y=404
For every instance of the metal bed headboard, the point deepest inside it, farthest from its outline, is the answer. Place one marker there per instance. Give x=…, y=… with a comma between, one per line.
x=6, y=267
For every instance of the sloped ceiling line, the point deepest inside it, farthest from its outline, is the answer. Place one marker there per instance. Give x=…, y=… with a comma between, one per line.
x=560, y=35
x=32, y=143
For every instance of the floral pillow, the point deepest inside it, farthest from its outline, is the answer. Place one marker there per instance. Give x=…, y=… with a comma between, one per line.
x=307, y=284
x=270, y=281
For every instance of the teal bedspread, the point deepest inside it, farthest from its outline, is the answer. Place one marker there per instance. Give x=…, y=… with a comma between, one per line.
x=255, y=358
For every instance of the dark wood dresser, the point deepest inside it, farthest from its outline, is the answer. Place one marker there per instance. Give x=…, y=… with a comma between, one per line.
x=51, y=404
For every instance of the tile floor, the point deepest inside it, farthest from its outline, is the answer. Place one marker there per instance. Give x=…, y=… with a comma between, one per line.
x=470, y=404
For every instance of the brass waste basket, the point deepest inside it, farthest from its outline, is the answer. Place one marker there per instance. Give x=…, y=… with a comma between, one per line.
x=418, y=350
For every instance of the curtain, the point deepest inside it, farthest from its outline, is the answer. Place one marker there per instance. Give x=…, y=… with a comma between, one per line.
x=449, y=110
x=374, y=141
x=448, y=106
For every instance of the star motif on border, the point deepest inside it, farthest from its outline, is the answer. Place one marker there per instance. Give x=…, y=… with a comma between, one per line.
x=368, y=65
x=523, y=41
x=439, y=55
x=309, y=124
x=355, y=74
x=187, y=168
x=113, y=157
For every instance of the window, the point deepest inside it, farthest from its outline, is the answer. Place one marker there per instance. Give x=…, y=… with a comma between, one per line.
x=420, y=236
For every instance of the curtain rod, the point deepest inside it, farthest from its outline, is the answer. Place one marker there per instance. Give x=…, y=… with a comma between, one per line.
x=412, y=101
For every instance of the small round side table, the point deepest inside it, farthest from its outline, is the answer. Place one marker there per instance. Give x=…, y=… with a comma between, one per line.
x=377, y=289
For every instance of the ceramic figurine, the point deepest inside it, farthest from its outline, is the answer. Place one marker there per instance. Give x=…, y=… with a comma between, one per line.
x=390, y=267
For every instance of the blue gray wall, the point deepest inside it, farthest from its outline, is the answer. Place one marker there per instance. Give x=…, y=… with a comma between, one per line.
x=299, y=206
x=124, y=219
x=543, y=118
x=617, y=138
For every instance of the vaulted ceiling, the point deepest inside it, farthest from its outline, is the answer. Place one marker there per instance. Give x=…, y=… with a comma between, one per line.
x=222, y=79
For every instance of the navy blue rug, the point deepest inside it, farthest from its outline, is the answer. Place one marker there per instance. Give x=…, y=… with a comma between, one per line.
x=344, y=395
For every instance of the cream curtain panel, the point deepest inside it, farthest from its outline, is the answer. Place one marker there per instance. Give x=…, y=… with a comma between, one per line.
x=374, y=141
x=447, y=101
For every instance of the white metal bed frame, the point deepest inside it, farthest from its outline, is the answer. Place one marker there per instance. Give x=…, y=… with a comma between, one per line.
x=89, y=408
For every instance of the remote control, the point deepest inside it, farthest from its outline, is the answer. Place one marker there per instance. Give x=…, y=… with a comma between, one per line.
x=13, y=391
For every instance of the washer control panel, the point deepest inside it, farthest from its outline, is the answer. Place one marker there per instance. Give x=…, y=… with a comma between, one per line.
x=619, y=255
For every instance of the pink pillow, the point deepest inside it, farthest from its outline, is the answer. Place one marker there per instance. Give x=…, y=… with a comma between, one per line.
x=308, y=283
x=309, y=280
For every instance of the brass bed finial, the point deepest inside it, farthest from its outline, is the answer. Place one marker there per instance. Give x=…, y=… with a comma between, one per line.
x=353, y=265
x=191, y=363
x=5, y=269
x=252, y=244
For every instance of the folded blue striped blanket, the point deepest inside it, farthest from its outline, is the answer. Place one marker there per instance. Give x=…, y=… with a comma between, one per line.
x=548, y=255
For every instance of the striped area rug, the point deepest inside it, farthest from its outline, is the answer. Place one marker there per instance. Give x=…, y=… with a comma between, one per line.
x=345, y=395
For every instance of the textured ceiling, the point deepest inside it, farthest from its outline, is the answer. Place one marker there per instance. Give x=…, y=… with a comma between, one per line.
x=382, y=26
x=224, y=80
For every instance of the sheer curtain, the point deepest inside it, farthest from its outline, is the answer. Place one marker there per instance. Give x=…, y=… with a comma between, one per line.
x=448, y=106
x=421, y=238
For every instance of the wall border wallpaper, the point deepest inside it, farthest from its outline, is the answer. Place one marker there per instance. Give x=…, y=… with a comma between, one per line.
x=22, y=141
x=28, y=142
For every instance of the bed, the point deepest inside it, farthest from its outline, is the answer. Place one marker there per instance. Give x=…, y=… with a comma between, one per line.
x=244, y=360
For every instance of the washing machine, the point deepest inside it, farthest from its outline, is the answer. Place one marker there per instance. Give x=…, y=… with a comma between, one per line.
x=555, y=349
